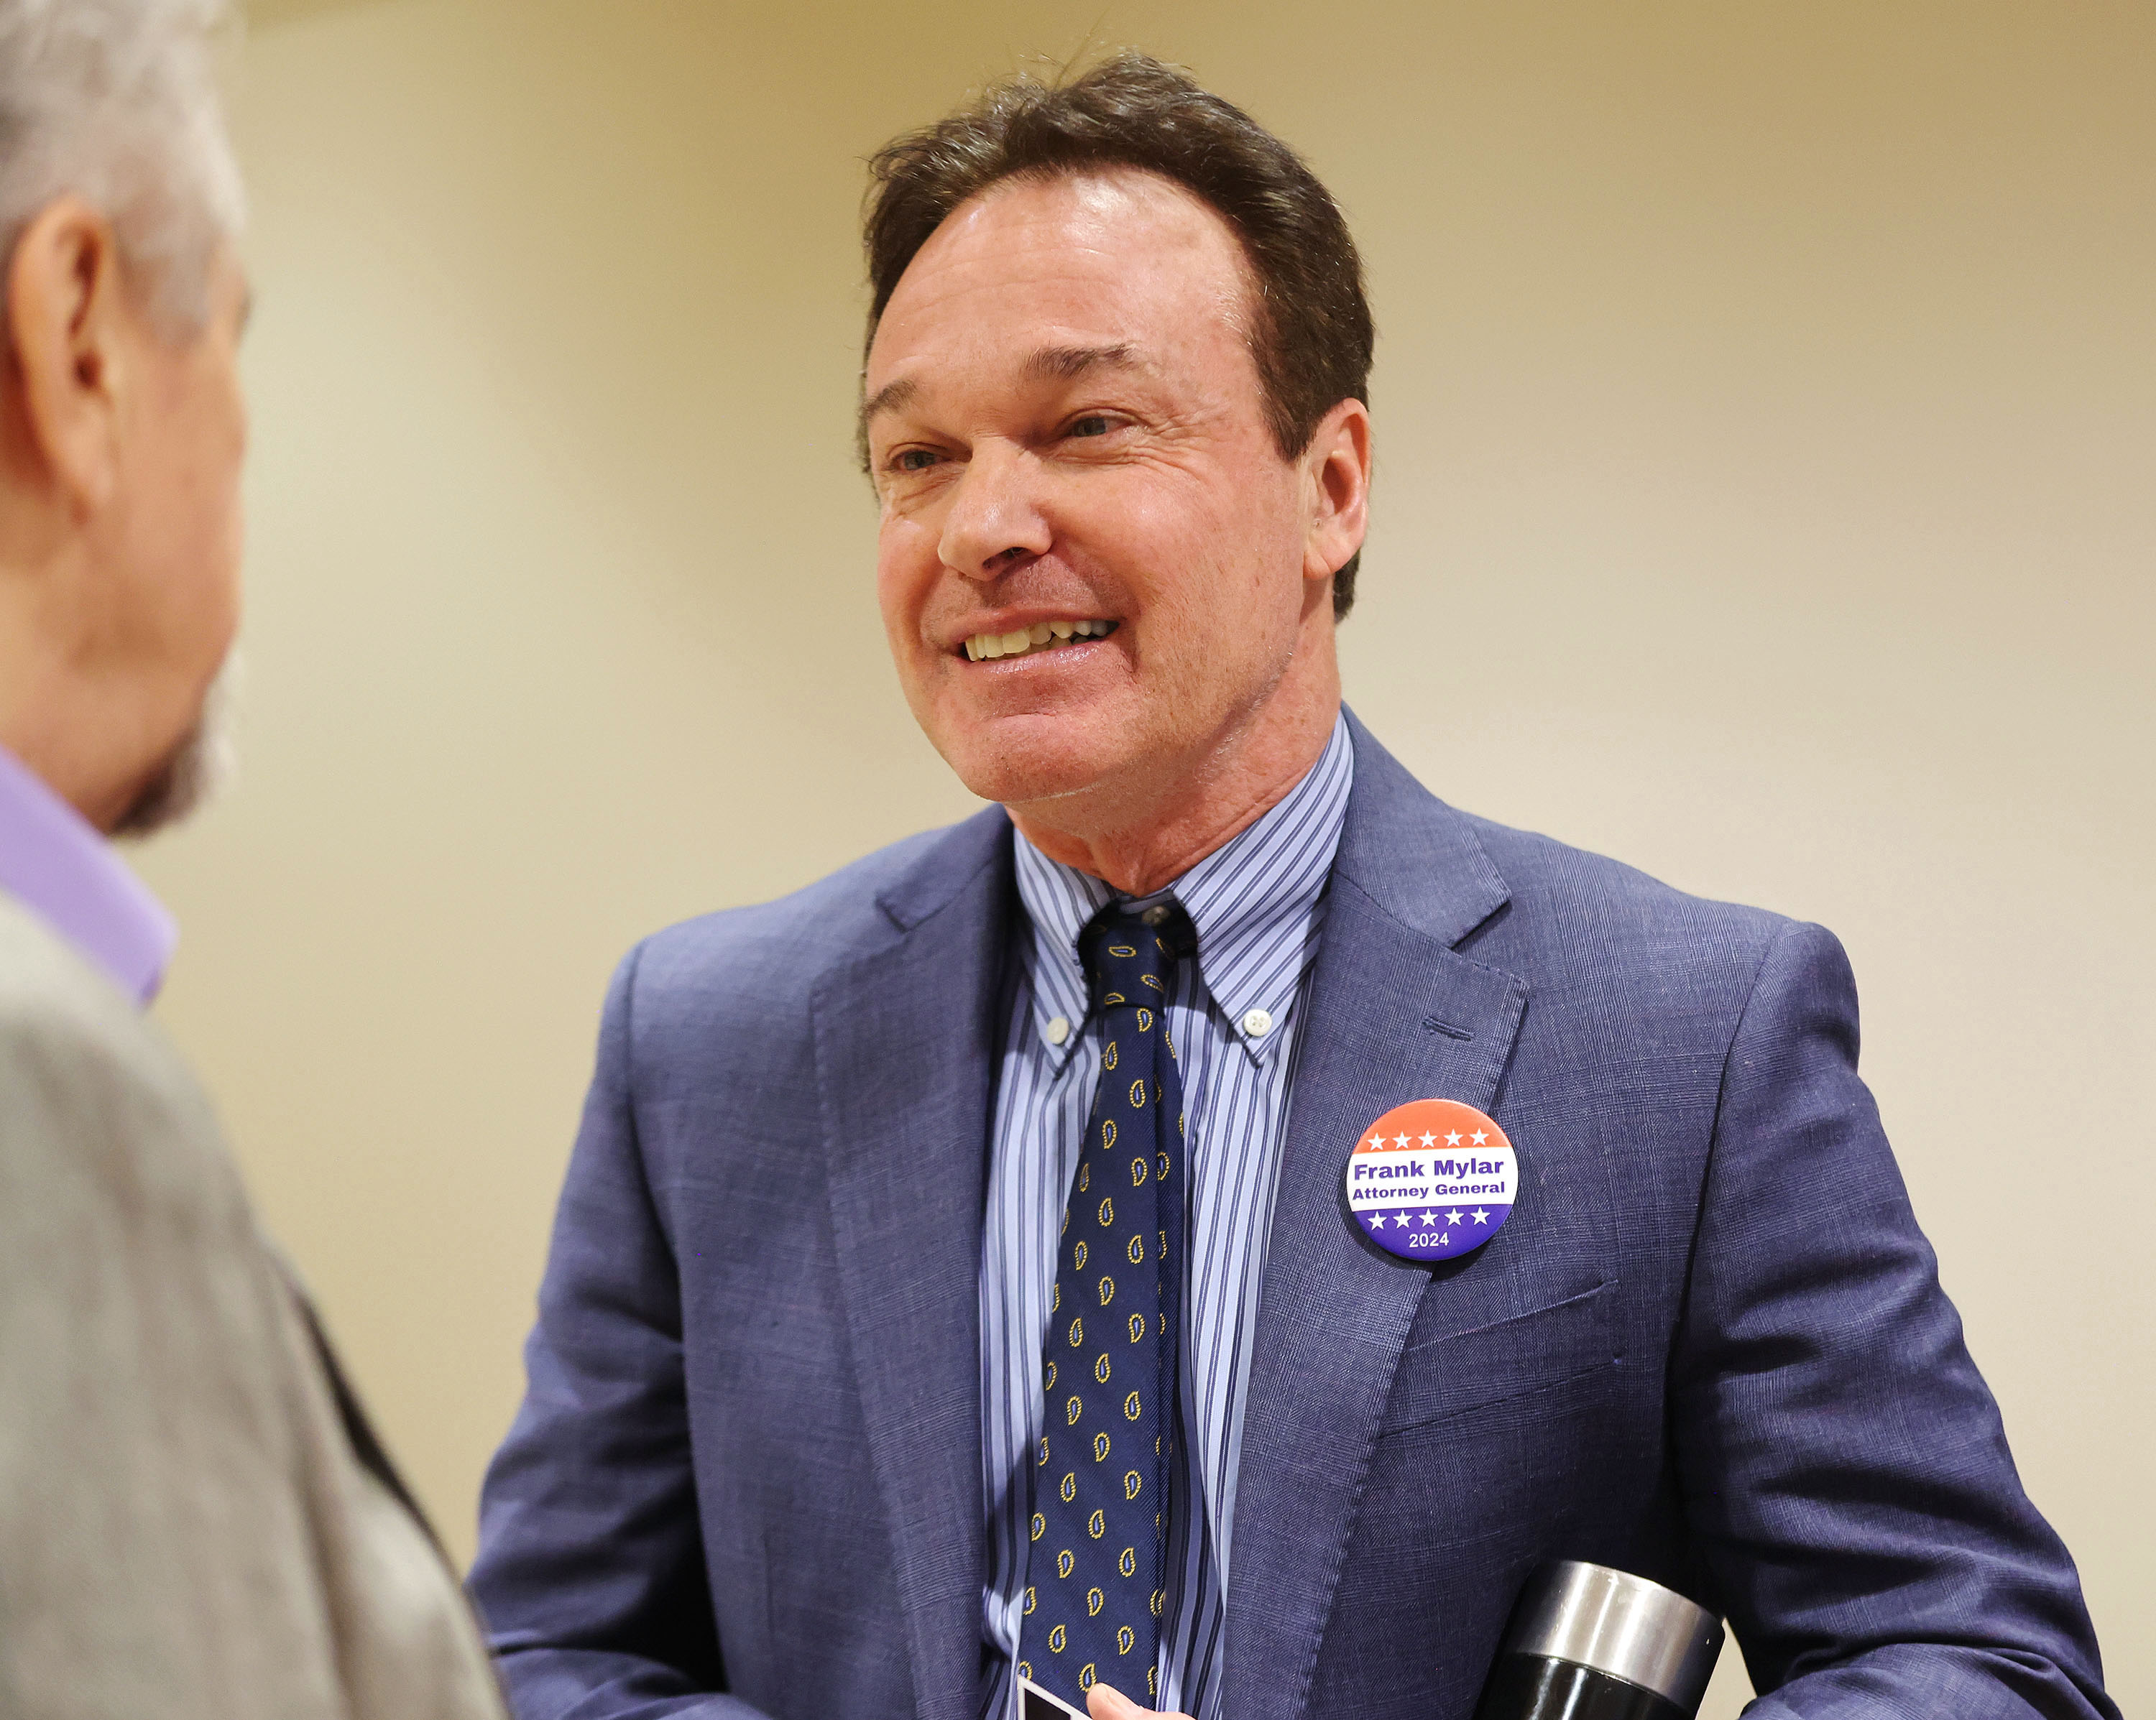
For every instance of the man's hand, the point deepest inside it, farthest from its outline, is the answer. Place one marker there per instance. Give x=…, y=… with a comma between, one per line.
x=1104, y=1701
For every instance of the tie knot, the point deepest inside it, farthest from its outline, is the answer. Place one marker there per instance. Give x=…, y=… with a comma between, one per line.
x=1131, y=956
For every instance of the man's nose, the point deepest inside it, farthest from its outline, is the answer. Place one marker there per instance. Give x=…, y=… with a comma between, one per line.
x=995, y=522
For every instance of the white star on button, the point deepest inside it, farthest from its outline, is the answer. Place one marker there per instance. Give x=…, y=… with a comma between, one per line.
x=1058, y=1030
x=1257, y=1022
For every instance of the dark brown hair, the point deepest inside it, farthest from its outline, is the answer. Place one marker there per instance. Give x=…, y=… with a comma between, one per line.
x=1310, y=334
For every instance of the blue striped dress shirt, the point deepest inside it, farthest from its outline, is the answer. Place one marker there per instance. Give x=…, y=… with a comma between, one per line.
x=1258, y=904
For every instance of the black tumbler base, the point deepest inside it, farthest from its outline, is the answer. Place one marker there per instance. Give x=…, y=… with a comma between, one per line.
x=1527, y=1686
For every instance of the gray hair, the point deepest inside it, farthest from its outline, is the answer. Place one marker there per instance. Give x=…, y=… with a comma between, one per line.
x=115, y=101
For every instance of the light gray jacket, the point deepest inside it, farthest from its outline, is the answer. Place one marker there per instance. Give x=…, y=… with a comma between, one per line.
x=187, y=1528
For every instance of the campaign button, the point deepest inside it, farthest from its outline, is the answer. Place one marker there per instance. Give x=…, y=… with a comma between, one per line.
x=1432, y=1180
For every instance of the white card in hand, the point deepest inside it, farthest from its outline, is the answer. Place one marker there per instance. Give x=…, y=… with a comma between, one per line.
x=1039, y=1705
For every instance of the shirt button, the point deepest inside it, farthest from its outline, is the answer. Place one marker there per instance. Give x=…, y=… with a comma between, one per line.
x=1257, y=1022
x=1155, y=914
x=1059, y=1030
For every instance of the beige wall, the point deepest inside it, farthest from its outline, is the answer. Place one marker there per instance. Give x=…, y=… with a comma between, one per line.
x=1766, y=398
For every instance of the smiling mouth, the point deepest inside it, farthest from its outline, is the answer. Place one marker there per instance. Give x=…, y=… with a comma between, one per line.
x=1042, y=636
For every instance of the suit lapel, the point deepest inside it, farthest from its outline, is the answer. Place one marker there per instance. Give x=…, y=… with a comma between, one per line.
x=1394, y=1013
x=906, y=1045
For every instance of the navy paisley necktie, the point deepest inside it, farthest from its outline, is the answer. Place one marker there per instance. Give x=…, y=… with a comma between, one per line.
x=1096, y=1582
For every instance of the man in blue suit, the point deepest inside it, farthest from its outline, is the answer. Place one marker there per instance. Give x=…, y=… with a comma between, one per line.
x=813, y=1430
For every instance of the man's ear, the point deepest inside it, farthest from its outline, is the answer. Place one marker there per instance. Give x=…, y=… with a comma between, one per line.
x=68, y=324
x=1337, y=474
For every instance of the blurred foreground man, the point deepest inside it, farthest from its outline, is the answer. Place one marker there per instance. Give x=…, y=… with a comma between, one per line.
x=195, y=1523
x=859, y=1389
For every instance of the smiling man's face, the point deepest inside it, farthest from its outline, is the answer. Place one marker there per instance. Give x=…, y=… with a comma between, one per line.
x=1095, y=566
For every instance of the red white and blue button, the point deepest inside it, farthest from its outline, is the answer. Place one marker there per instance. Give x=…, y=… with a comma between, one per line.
x=1432, y=1180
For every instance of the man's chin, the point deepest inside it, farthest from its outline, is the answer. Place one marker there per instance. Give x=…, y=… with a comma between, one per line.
x=193, y=772
x=1032, y=763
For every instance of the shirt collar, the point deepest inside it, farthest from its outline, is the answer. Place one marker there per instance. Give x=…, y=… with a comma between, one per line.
x=54, y=862
x=1253, y=900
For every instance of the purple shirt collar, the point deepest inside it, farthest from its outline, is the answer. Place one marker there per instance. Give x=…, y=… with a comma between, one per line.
x=53, y=861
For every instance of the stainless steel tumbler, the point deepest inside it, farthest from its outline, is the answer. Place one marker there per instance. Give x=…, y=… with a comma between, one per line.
x=1589, y=1643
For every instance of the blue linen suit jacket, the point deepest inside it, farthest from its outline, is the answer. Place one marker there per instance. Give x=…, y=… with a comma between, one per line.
x=1709, y=1346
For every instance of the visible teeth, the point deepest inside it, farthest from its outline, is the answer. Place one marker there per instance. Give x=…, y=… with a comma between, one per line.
x=1041, y=635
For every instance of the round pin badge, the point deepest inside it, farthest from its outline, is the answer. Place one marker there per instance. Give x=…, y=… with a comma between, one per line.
x=1432, y=1180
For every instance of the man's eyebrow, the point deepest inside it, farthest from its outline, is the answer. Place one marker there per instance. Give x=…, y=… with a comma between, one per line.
x=889, y=398
x=1048, y=364
x=1066, y=364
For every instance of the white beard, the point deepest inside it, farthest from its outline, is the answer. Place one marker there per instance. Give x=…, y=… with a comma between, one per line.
x=197, y=769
